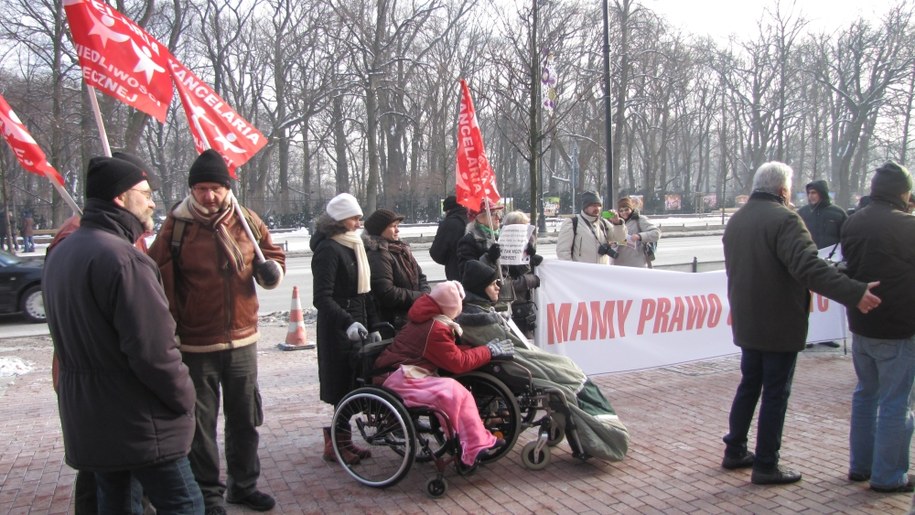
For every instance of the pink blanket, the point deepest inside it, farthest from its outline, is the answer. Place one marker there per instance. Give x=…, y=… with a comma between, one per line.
x=449, y=396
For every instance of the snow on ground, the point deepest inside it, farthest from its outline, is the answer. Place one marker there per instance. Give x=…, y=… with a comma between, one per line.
x=296, y=240
x=12, y=366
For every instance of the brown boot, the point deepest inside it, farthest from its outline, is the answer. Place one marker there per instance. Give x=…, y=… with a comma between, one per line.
x=346, y=442
x=329, y=454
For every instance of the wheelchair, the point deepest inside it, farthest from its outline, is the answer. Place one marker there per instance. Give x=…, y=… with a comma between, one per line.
x=539, y=407
x=398, y=436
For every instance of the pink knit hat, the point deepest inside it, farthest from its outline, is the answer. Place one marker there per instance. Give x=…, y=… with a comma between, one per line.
x=448, y=295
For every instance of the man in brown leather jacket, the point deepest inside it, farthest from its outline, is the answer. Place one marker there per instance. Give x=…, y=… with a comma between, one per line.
x=209, y=267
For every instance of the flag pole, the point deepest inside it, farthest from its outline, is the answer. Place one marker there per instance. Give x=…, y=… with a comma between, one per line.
x=106, y=147
x=241, y=216
x=65, y=195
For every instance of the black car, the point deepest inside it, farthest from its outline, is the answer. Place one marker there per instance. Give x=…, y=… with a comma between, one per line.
x=20, y=286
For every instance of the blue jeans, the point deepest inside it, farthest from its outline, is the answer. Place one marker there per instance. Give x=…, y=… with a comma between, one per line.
x=881, y=416
x=769, y=373
x=170, y=486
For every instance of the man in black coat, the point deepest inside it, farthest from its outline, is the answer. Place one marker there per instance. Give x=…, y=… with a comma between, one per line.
x=450, y=230
x=823, y=218
x=126, y=400
x=772, y=264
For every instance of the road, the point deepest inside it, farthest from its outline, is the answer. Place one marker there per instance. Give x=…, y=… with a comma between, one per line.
x=670, y=251
x=298, y=269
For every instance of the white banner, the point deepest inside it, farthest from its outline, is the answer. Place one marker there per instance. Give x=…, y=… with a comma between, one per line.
x=611, y=319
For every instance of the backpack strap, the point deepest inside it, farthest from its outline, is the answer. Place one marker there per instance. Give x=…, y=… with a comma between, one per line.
x=574, y=232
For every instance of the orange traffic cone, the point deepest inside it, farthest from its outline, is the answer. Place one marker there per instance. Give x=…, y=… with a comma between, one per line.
x=295, y=336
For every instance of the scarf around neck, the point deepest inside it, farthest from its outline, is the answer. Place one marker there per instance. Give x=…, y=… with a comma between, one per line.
x=353, y=241
x=218, y=222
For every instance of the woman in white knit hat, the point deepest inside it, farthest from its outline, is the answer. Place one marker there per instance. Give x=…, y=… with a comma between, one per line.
x=346, y=311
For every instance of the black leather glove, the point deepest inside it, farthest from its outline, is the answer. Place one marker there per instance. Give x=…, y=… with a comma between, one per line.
x=501, y=348
x=493, y=253
x=268, y=274
x=536, y=259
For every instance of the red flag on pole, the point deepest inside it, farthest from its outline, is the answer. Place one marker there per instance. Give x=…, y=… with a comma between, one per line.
x=119, y=58
x=27, y=151
x=475, y=178
x=213, y=122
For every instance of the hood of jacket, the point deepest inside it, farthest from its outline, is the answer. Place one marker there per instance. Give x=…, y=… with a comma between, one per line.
x=822, y=188
x=423, y=310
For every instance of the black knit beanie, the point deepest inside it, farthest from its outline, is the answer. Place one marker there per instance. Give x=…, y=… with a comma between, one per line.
x=378, y=221
x=108, y=177
x=890, y=181
x=209, y=167
x=477, y=276
x=151, y=176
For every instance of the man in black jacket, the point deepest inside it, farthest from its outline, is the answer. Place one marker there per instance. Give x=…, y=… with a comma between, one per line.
x=772, y=265
x=877, y=243
x=823, y=218
x=450, y=230
x=115, y=340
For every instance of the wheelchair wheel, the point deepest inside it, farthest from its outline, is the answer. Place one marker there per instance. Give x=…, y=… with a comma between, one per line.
x=381, y=424
x=533, y=459
x=498, y=409
x=436, y=487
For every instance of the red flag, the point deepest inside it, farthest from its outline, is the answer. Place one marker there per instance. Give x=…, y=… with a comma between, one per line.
x=119, y=58
x=27, y=151
x=475, y=178
x=223, y=129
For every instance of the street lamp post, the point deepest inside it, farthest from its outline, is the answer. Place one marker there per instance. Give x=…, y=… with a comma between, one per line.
x=608, y=137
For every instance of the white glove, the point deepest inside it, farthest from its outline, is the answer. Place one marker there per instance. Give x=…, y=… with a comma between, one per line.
x=501, y=348
x=356, y=332
x=374, y=337
x=632, y=240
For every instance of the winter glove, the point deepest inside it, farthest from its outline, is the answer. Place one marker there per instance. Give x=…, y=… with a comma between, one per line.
x=374, y=337
x=500, y=348
x=493, y=253
x=268, y=274
x=356, y=332
x=536, y=259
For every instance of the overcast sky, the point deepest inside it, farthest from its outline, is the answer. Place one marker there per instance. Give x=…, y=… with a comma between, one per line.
x=721, y=18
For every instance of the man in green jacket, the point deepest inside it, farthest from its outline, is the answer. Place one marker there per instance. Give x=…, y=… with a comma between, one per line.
x=772, y=264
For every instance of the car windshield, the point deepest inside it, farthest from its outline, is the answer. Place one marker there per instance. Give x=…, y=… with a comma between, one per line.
x=7, y=259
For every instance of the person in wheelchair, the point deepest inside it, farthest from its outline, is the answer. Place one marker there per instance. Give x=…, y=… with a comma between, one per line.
x=601, y=432
x=428, y=342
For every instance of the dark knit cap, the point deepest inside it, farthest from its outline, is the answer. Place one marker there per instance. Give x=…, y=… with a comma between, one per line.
x=108, y=177
x=151, y=176
x=449, y=203
x=209, y=167
x=590, y=197
x=378, y=221
x=477, y=276
x=891, y=180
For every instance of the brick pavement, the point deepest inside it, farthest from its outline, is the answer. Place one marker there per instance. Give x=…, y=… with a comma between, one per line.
x=676, y=417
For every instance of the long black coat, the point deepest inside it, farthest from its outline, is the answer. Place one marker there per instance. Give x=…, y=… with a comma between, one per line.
x=772, y=265
x=333, y=267
x=126, y=400
x=444, y=246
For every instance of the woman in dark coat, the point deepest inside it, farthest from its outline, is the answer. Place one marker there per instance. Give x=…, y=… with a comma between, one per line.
x=342, y=296
x=397, y=279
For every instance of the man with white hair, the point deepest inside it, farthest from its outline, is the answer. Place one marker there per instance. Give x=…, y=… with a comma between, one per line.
x=772, y=264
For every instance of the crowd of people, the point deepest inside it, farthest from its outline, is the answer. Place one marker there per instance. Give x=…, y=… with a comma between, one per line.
x=167, y=336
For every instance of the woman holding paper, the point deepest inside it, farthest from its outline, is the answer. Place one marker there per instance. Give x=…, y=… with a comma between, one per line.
x=524, y=310
x=481, y=244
